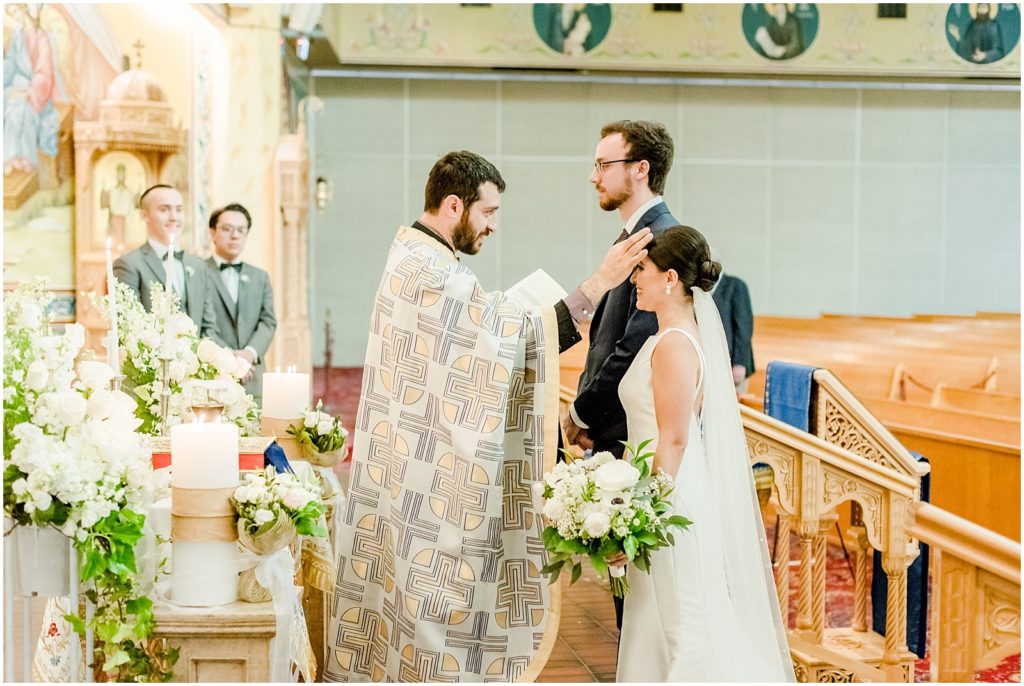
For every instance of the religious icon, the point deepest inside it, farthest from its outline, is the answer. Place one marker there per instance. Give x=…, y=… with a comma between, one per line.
x=982, y=33
x=120, y=202
x=780, y=31
x=572, y=29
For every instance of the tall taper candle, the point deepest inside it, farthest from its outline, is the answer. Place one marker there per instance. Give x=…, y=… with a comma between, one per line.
x=112, y=354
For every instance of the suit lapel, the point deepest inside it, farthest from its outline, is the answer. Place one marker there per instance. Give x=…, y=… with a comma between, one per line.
x=152, y=261
x=195, y=293
x=247, y=293
x=225, y=296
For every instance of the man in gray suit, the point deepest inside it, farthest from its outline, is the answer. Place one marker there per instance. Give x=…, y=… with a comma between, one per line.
x=163, y=213
x=244, y=303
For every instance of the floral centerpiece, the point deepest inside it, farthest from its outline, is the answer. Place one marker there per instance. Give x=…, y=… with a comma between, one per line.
x=272, y=509
x=599, y=507
x=321, y=437
x=167, y=331
x=74, y=461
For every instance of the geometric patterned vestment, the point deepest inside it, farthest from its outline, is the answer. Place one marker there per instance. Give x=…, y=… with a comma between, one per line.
x=440, y=554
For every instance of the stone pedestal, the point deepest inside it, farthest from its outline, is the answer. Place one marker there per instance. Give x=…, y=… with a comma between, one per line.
x=223, y=644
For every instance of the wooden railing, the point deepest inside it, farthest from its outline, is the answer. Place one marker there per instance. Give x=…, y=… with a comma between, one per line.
x=975, y=576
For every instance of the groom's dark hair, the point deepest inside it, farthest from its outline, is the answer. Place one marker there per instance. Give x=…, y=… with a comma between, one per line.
x=460, y=174
x=647, y=140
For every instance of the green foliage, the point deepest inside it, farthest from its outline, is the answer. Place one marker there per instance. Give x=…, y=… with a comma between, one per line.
x=123, y=618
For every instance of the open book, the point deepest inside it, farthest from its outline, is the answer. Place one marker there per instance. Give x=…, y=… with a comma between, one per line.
x=536, y=291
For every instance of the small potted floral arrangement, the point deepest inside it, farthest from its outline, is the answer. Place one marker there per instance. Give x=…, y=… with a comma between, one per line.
x=321, y=437
x=272, y=509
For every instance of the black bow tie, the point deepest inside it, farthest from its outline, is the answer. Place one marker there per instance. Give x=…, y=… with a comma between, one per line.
x=177, y=255
x=237, y=266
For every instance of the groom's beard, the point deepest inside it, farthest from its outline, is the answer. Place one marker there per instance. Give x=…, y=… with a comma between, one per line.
x=464, y=238
x=614, y=202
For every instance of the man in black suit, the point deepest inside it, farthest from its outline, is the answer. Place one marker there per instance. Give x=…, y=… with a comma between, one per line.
x=631, y=164
x=733, y=300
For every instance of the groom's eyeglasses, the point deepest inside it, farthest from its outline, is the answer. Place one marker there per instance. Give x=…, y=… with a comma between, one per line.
x=600, y=167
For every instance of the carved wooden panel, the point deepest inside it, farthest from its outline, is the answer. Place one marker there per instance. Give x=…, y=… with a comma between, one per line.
x=843, y=430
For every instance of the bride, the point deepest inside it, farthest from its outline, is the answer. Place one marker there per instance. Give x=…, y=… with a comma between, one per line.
x=708, y=610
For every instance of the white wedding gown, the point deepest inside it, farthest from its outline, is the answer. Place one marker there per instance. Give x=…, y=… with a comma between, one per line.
x=679, y=623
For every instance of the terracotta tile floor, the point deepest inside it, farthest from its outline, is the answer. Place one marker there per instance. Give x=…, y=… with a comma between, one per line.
x=587, y=645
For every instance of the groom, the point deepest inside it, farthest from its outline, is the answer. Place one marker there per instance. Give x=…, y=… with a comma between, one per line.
x=631, y=163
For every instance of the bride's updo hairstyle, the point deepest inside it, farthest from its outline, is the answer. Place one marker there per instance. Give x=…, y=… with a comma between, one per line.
x=685, y=250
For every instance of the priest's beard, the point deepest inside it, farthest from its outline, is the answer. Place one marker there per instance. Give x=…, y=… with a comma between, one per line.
x=464, y=238
x=614, y=202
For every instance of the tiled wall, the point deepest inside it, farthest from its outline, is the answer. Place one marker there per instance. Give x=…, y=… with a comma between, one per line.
x=823, y=200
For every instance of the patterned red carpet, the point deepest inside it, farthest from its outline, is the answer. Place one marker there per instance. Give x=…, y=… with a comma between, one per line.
x=340, y=392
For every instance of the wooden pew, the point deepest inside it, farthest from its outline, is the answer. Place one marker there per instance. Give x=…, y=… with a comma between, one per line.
x=972, y=400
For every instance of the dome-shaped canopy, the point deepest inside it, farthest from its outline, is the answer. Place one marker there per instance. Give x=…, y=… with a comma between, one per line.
x=135, y=84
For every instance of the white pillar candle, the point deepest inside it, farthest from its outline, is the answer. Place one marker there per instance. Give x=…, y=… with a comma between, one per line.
x=112, y=356
x=285, y=394
x=204, y=574
x=204, y=455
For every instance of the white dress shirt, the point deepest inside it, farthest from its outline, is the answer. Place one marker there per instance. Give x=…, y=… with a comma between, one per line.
x=174, y=271
x=231, y=279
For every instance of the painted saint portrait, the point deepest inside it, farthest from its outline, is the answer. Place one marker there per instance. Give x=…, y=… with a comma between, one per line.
x=780, y=31
x=983, y=33
x=572, y=29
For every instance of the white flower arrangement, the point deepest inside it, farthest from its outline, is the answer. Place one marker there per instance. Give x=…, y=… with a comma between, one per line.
x=319, y=432
x=165, y=330
x=72, y=454
x=266, y=495
x=602, y=506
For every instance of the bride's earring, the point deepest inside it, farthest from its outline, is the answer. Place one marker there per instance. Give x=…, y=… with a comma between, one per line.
x=668, y=290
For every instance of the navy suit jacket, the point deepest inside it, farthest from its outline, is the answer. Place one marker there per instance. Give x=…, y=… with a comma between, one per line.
x=617, y=333
x=733, y=300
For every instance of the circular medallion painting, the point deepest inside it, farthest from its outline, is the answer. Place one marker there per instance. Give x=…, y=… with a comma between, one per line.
x=982, y=33
x=780, y=31
x=572, y=29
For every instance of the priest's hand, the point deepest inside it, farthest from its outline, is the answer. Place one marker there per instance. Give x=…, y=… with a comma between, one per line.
x=617, y=266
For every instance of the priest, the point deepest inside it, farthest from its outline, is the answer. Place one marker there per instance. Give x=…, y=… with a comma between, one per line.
x=440, y=554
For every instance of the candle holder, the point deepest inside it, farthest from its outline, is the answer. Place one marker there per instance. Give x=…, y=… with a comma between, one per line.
x=165, y=392
x=206, y=400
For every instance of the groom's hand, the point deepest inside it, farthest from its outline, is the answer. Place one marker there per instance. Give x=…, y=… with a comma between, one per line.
x=617, y=266
x=574, y=434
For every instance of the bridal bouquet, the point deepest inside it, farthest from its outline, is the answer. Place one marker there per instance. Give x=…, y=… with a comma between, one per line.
x=602, y=506
x=320, y=436
x=166, y=331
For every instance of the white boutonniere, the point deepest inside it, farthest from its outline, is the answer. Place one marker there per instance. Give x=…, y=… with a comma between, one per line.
x=190, y=270
x=244, y=278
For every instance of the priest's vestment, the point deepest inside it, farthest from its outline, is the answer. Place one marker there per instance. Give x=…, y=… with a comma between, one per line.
x=439, y=559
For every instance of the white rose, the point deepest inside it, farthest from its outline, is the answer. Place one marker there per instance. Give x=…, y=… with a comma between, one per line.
x=616, y=475
x=597, y=524
x=69, y=406
x=30, y=316
x=242, y=494
x=207, y=350
x=296, y=498
x=176, y=370
x=598, y=459
x=553, y=509
x=37, y=376
x=180, y=323
x=95, y=374
x=325, y=425
x=309, y=419
x=263, y=516
x=101, y=404
x=75, y=336
x=149, y=338
x=224, y=361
